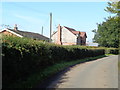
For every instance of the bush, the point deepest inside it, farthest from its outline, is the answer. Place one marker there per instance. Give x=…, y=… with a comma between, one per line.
x=22, y=57
x=112, y=51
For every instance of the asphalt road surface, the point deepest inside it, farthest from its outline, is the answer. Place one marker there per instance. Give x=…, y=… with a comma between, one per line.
x=101, y=73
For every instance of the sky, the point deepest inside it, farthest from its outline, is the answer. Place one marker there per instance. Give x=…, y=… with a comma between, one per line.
x=31, y=16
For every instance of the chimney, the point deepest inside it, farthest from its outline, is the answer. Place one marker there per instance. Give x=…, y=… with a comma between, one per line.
x=59, y=35
x=15, y=27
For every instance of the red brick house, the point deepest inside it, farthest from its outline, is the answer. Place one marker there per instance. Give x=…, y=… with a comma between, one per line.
x=68, y=36
x=19, y=33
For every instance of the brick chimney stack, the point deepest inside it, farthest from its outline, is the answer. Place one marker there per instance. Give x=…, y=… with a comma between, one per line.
x=15, y=27
x=59, y=35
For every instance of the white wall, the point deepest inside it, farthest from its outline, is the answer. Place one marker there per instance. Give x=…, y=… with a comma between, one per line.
x=68, y=37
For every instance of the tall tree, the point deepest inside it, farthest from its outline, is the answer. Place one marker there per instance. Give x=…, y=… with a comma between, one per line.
x=113, y=7
x=108, y=32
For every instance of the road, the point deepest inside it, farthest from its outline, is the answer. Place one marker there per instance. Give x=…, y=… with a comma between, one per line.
x=101, y=73
x=119, y=73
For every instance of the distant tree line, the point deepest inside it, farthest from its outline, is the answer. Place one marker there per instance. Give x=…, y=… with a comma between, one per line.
x=108, y=32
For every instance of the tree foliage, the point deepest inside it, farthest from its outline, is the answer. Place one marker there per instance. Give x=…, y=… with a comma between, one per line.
x=113, y=7
x=108, y=32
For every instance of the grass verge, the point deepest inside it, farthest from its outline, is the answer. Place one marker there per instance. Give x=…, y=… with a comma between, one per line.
x=37, y=78
x=110, y=54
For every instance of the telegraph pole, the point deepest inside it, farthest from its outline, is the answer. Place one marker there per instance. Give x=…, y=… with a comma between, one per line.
x=42, y=30
x=50, y=26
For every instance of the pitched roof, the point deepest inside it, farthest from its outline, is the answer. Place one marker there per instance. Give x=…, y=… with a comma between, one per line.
x=54, y=33
x=28, y=34
x=72, y=30
x=75, y=32
x=6, y=29
x=82, y=34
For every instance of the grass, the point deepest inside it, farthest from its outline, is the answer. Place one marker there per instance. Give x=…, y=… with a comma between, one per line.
x=110, y=54
x=37, y=78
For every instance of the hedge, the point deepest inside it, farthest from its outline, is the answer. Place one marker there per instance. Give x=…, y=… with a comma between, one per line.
x=112, y=51
x=22, y=57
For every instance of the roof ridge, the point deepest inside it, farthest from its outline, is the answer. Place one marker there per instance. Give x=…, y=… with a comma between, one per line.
x=70, y=28
x=26, y=33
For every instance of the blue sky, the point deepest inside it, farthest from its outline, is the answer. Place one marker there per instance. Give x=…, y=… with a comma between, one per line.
x=31, y=16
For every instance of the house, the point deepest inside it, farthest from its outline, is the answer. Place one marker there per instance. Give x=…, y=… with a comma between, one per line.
x=68, y=36
x=19, y=33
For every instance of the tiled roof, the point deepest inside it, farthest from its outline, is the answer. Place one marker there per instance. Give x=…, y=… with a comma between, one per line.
x=29, y=34
x=72, y=30
x=75, y=32
x=82, y=34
